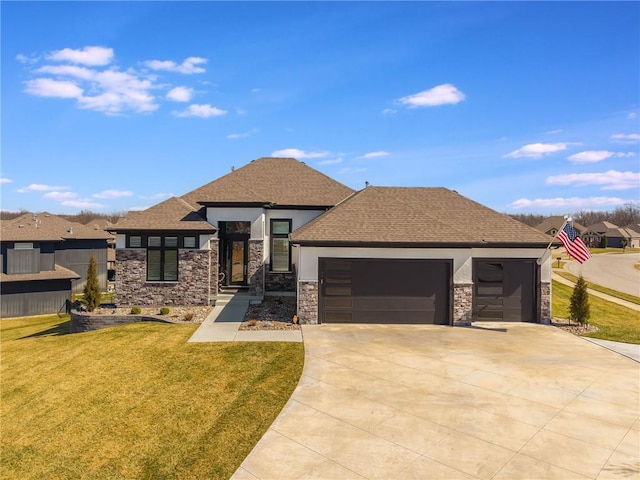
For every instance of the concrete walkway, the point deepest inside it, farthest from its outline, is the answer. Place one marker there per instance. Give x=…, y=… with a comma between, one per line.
x=627, y=349
x=223, y=324
x=492, y=401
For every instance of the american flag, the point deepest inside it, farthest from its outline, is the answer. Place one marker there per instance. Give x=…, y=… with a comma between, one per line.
x=573, y=243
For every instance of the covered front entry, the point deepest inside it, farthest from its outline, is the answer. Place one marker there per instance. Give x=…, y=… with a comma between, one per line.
x=505, y=290
x=384, y=291
x=234, y=252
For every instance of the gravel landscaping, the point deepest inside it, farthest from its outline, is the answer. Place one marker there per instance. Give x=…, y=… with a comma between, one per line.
x=274, y=313
x=177, y=313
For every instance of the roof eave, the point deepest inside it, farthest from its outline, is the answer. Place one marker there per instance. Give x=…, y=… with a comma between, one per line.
x=377, y=244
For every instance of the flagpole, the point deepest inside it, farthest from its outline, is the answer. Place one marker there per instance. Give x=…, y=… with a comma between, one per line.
x=548, y=249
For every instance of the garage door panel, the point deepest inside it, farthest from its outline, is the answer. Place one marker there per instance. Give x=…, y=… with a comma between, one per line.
x=385, y=291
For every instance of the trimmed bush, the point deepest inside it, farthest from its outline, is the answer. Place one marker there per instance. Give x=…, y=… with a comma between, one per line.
x=164, y=311
x=92, y=287
x=579, y=303
x=136, y=310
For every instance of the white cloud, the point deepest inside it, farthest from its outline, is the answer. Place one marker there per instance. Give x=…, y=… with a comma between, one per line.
x=610, y=180
x=374, y=154
x=48, y=87
x=5, y=180
x=92, y=56
x=138, y=208
x=298, y=154
x=82, y=203
x=55, y=195
x=332, y=161
x=625, y=138
x=38, y=187
x=255, y=90
x=202, y=111
x=538, y=150
x=439, y=95
x=180, y=94
x=553, y=132
x=632, y=115
x=572, y=203
x=26, y=59
x=389, y=111
x=113, y=91
x=593, y=156
x=187, y=67
x=235, y=136
x=113, y=194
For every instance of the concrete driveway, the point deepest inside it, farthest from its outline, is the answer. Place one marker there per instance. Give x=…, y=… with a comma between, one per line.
x=494, y=401
x=611, y=270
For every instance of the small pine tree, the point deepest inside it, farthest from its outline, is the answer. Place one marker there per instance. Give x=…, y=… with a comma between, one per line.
x=579, y=304
x=92, y=288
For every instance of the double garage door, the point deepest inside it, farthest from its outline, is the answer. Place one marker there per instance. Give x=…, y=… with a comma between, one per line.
x=420, y=291
x=385, y=291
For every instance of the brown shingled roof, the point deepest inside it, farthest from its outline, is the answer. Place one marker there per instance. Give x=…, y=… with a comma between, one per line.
x=60, y=273
x=415, y=215
x=555, y=222
x=281, y=181
x=49, y=227
x=172, y=214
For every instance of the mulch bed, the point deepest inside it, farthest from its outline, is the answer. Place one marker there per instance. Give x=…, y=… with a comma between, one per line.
x=274, y=313
x=574, y=328
x=177, y=313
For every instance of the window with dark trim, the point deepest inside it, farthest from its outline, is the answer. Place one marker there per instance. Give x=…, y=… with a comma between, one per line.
x=280, y=247
x=162, y=259
x=135, y=241
x=189, y=242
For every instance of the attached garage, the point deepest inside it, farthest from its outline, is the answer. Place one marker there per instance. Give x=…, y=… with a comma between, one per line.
x=505, y=290
x=367, y=290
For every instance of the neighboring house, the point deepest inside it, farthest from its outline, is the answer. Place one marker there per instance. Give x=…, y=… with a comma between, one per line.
x=634, y=235
x=616, y=237
x=551, y=226
x=383, y=254
x=44, y=260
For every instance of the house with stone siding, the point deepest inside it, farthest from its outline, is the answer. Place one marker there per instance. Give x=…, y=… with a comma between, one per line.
x=378, y=255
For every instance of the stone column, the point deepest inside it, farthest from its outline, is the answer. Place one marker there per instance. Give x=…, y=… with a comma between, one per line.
x=256, y=268
x=462, y=304
x=308, y=302
x=214, y=267
x=545, y=302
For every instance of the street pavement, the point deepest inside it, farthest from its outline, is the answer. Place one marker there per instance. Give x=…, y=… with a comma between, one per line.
x=611, y=270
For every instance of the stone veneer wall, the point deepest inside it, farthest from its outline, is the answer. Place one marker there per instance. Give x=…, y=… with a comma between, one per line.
x=256, y=267
x=462, y=304
x=545, y=302
x=192, y=288
x=280, y=281
x=214, y=267
x=308, y=302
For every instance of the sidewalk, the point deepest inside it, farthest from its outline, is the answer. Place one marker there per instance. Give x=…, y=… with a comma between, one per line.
x=223, y=324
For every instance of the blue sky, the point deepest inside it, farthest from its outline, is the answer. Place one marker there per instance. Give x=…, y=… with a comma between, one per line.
x=527, y=107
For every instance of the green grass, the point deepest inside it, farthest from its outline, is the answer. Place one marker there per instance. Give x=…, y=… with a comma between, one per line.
x=135, y=401
x=614, y=293
x=615, y=322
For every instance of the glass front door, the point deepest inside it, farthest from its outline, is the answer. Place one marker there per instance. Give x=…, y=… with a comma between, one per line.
x=238, y=263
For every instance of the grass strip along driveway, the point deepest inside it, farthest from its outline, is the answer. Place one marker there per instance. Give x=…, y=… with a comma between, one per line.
x=615, y=322
x=135, y=401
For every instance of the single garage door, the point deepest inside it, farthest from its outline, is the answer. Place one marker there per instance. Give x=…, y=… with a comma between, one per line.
x=505, y=290
x=384, y=291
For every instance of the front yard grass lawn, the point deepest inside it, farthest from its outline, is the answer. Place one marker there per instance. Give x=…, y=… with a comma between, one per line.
x=615, y=322
x=135, y=401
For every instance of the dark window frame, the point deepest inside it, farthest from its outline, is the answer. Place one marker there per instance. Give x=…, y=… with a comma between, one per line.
x=163, y=260
x=273, y=236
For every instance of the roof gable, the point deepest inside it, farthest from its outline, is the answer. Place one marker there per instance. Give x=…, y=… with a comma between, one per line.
x=171, y=214
x=277, y=181
x=415, y=215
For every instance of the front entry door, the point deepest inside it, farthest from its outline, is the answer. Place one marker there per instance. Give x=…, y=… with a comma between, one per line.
x=236, y=259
